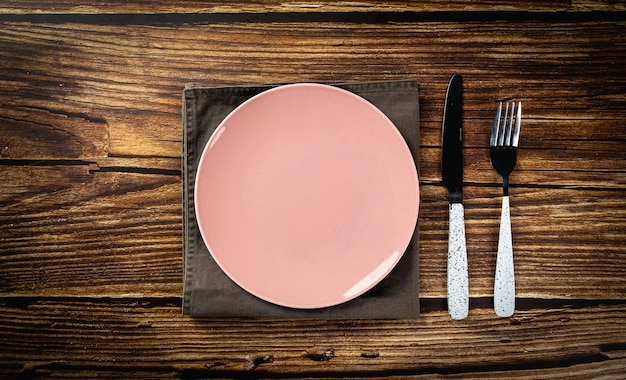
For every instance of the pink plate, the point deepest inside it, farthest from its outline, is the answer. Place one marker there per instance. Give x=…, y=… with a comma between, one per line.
x=307, y=195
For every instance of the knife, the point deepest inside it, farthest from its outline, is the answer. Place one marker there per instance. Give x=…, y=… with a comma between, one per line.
x=452, y=176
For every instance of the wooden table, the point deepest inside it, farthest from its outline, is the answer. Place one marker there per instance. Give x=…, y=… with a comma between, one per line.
x=90, y=155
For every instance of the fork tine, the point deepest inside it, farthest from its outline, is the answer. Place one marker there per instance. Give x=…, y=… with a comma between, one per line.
x=518, y=122
x=509, y=125
x=496, y=126
x=503, y=126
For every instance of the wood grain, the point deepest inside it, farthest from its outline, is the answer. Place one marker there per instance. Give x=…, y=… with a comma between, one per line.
x=266, y=6
x=54, y=337
x=90, y=202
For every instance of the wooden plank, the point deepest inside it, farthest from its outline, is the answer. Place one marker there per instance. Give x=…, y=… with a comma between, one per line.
x=67, y=230
x=21, y=7
x=107, y=92
x=78, y=231
x=61, y=338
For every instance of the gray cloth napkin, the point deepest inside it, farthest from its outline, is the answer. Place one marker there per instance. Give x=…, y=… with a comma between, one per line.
x=208, y=292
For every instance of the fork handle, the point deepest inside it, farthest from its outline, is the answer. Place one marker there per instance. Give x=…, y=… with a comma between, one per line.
x=458, y=289
x=504, y=288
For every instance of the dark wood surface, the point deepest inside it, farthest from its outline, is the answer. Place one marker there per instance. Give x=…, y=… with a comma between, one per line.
x=90, y=199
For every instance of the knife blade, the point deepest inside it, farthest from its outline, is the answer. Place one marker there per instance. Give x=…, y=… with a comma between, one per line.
x=452, y=176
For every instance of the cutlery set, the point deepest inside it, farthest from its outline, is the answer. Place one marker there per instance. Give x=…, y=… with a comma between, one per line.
x=503, y=154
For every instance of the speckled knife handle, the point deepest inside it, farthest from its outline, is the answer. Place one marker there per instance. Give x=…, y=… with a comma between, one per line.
x=458, y=288
x=504, y=289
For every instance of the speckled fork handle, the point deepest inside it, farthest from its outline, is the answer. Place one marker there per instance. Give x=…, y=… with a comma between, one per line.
x=504, y=288
x=458, y=288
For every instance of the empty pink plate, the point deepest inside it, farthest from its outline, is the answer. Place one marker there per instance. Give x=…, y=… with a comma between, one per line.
x=307, y=195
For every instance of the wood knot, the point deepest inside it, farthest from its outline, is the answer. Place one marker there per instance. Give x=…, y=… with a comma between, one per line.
x=320, y=354
x=370, y=354
x=214, y=364
x=256, y=360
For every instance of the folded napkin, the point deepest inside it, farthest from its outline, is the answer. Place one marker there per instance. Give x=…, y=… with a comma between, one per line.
x=208, y=291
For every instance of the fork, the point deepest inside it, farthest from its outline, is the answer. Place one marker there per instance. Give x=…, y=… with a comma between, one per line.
x=503, y=152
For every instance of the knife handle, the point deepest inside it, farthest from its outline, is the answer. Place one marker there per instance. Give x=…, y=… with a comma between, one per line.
x=458, y=288
x=504, y=288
